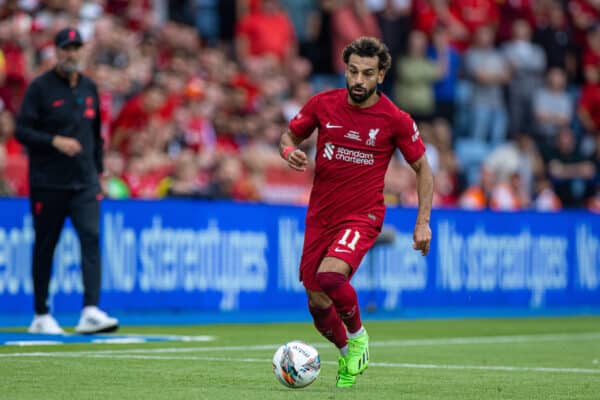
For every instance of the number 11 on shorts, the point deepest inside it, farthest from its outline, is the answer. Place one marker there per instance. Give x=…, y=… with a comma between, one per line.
x=344, y=240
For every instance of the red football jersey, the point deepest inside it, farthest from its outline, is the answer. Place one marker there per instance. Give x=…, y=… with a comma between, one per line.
x=354, y=148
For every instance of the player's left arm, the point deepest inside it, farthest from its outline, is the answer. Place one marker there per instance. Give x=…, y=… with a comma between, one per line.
x=422, y=231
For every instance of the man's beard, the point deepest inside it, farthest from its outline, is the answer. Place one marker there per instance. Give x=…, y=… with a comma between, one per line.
x=360, y=98
x=69, y=67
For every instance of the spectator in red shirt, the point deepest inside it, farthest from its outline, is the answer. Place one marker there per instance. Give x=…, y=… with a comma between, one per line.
x=584, y=14
x=350, y=21
x=7, y=134
x=429, y=14
x=474, y=14
x=5, y=186
x=13, y=166
x=510, y=11
x=589, y=103
x=13, y=46
x=194, y=125
x=266, y=31
x=136, y=115
x=138, y=13
x=591, y=54
x=140, y=179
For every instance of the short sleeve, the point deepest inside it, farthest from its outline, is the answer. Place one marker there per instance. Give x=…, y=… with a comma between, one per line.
x=305, y=122
x=408, y=138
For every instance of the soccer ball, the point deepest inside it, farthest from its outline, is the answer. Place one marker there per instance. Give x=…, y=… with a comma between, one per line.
x=296, y=364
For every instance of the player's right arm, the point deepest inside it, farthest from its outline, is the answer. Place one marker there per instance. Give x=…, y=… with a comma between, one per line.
x=288, y=148
x=300, y=128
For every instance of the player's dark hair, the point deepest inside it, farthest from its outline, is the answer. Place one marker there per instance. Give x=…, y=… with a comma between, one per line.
x=369, y=47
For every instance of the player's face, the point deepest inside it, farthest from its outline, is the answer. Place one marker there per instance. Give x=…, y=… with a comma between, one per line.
x=362, y=76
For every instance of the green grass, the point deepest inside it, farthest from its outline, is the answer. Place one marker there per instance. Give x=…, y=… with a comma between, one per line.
x=421, y=364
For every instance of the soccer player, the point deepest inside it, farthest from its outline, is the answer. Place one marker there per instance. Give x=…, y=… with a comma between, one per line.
x=359, y=129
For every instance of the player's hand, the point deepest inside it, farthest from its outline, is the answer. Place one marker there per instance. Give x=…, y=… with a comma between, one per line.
x=66, y=145
x=297, y=160
x=422, y=238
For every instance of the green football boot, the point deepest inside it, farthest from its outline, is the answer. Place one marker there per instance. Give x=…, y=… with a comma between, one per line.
x=344, y=378
x=357, y=359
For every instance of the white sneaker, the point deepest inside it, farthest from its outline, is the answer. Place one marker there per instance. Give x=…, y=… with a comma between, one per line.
x=94, y=320
x=46, y=324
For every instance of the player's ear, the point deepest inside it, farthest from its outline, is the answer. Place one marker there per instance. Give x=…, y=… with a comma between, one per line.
x=380, y=76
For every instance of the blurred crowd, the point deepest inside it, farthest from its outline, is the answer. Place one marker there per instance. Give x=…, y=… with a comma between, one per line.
x=195, y=94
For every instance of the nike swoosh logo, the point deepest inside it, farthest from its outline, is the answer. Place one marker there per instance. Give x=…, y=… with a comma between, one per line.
x=338, y=250
x=329, y=126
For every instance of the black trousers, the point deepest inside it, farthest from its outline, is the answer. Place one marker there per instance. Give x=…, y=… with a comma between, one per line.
x=49, y=208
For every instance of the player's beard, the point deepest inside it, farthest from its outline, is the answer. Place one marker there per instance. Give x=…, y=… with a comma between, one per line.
x=360, y=98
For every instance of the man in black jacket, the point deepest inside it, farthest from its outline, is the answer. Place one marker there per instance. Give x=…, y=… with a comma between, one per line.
x=59, y=123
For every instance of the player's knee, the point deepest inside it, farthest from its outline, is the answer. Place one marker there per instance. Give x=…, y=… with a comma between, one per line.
x=319, y=306
x=329, y=281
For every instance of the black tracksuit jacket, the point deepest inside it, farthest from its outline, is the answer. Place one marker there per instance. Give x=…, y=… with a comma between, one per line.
x=51, y=107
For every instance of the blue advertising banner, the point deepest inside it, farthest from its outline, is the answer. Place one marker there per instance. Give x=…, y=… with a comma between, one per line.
x=222, y=256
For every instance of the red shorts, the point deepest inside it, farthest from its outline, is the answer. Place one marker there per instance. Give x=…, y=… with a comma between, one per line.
x=349, y=242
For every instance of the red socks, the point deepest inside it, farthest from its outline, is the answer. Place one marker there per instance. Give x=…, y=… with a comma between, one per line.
x=343, y=295
x=344, y=310
x=329, y=324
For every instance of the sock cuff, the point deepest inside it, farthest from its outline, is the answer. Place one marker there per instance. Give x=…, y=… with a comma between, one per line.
x=330, y=280
x=352, y=335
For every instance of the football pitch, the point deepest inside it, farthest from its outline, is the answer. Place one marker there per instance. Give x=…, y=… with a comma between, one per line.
x=538, y=358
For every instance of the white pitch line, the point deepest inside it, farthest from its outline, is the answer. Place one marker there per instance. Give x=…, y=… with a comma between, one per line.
x=391, y=343
x=142, y=351
x=181, y=338
x=490, y=368
x=544, y=337
x=373, y=364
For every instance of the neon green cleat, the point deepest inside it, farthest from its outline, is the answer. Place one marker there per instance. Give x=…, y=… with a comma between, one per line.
x=344, y=378
x=357, y=359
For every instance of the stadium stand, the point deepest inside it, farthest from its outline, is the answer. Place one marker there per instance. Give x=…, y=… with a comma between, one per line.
x=195, y=97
